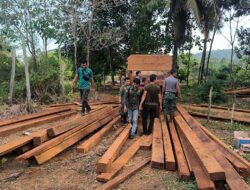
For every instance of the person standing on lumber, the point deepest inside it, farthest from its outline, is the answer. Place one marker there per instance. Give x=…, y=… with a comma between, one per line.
x=171, y=90
x=151, y=104
x=85, y=76
x=123, y=91
x=132, y=101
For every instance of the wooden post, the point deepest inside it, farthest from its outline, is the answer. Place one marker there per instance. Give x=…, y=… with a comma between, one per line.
x=210, y=102
x=232, y=113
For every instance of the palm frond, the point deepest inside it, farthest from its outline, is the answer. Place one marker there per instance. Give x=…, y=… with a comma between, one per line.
x=194, y=7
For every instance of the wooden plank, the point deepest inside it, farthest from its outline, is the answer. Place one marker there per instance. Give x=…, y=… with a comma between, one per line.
x=157, y=156
x=4, y=131
x=72, y=139
x=125, y=175
x=40, y=138
x=104, y=164
x=183, y=170
x=168, y=149
x=146, y=143
x=121, y=161
x=63, y=127
x=208, y=162
x=202, y=180
x=233, y=179
x=237, y=161
x=96, y=138
x=149, y=63
x=33, y=116
x=57, y=140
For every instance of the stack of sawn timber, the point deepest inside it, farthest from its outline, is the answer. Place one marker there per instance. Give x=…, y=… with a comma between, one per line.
x=218, y=112
x=244, y=92
x=184, y=145
x=49, y=142
x=212, y=162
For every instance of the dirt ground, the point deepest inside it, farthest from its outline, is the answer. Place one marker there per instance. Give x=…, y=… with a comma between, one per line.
x=71, y=170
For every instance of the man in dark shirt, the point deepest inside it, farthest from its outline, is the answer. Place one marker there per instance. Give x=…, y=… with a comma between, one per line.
x=132, y=99
x=151, y=104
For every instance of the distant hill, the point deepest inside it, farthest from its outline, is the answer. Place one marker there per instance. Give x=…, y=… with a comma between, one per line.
x=219, y=54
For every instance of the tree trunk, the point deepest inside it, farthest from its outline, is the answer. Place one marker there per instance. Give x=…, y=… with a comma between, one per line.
x=111, y=66
x=188, y=66
x=75, y=38
x=89, y=33
x=203, y=58
x=27, y=77
x=12, y=77
x=175, y=55
x=210, y=49
x=61, y=64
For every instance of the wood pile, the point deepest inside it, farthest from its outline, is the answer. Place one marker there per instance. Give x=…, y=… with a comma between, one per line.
x=218, y=112
x=46, y=143
x=244, y=92
x=184, y=146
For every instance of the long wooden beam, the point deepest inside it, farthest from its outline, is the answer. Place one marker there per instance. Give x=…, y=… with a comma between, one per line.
x=4, y=131
x=125, y=175
x=104, y=164
x=33, y=116
x=168, y=150
x=157, y=156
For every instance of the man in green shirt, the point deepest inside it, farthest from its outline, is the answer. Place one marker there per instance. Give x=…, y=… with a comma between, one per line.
x=85, y=76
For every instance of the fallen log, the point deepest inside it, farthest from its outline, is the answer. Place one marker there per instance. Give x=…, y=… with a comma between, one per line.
x=104, y=164
x=125, y=175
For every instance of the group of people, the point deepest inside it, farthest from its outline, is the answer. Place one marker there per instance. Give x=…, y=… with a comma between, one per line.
x=146, y=98
x=141, y=97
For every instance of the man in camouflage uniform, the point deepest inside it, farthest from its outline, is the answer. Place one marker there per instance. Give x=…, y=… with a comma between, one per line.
x=132, y=101
x=123, y=90
x=171, y=90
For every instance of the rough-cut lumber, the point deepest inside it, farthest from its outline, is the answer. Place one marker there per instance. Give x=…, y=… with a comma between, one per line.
x=243, y=91
x=233, y=179
x=4, y=131
x=146, y=143
x=63, y=127
x=96, y=138
x=208, y=162
x=57, y=140
x=237, y=161
x=232, y=156
x=33, y=116
x=40, y=138
x=220, y=107
x=168, y=150
x=104, y=164
x=216, y=113
x=72, y=139
x=183, y=170
x=202, y=180
x=157, y=156
x=121, y=161
x=125, y=175
x=149, y=63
